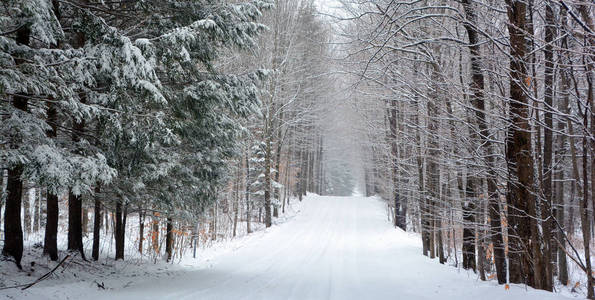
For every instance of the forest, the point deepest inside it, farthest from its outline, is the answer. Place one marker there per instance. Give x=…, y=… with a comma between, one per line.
x=149, y=130
x=487, y=137
x=167, y=110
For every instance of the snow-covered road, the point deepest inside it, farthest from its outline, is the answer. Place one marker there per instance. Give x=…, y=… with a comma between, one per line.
x=335, y=248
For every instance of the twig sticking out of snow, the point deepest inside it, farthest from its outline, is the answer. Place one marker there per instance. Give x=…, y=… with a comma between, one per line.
x=42, y=278
x=46, y=275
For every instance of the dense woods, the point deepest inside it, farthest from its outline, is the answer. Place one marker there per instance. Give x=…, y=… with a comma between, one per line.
x=177, y=115
x=479, y=129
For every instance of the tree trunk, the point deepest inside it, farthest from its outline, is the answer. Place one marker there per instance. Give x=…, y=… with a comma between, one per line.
x=520, y=198
x=559, y=184
x=433, y=173
x=286, y=184
x=399, y=220
x=75, y=232
x=26, y=200
x=440, y=246
x=50, y=245
x=247, y=194
x=311, y=164
x=141, y=230
x=469, y=211
x=75, y=205
x=478, y=102
x=13, y=232
x=320, y=177
x=306, y=174
x=169, y=239
x=585, y=220
x=278, y=165
x=213, y=225
x=589, y=115
x=267, y=182
x=3, y=180
x=423, y=213
x=560, y=216
x=155, y=233
x=236, y=203
x=37, y=210
x=96, y=224
x=120, y=229
x=546, y=208
x=85, y=222
x=481, y=250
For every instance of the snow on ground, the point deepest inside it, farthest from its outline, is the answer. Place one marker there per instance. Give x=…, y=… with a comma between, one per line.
x=77, y=278
x=335, y=248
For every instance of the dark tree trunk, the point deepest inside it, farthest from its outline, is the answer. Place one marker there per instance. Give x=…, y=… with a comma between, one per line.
x=560, y=213
x=123, y=232
x=141, y=230
x=2, y=189
x=585, y=222
x=469, y=211
x=75, y=228
x=96, y=224
x=440, y=226
x=562, y=263
x=423, y=210
x=120, y=229
x=13, y=232
x=589, y=115
x=169, y=238
x=546, y=209
x=155, y=233
x=478, y=102
x=75, y=203
x=481, y=249
x=433, y=173
x=399, y=220
x=50, y=245
x=300, y=176
x=520, y=198
x=368, y=185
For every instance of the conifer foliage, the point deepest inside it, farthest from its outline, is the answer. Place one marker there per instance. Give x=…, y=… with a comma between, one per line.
x=163, y=112
x=121, y=102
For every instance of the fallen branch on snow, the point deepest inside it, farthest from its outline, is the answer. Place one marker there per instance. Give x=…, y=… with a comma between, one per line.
x=46, y=275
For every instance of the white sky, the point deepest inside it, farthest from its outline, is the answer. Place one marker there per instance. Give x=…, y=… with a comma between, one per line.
x=328, y=6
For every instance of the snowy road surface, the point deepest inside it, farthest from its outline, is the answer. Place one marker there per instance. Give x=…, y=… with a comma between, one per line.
x=335, y=248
